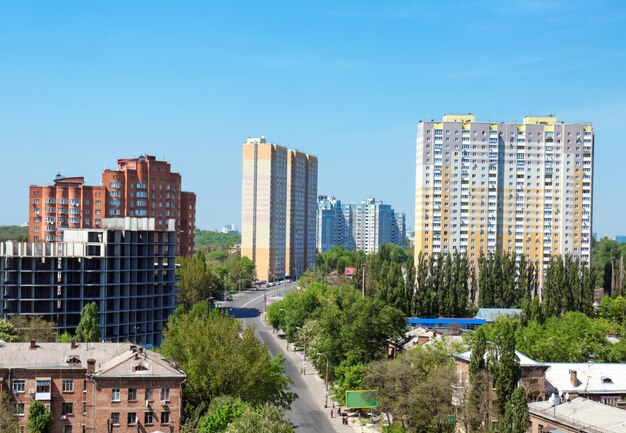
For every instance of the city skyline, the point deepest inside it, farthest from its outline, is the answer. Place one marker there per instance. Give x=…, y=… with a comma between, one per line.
x=349, y=95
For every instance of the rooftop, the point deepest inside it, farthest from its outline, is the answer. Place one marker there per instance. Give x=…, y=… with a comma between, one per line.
x=524, y=360
x=112, y=359
x=490, y=314
x=583, y=414
x=592, y=378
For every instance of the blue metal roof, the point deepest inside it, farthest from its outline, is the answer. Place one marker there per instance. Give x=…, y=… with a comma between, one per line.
x=445, y=321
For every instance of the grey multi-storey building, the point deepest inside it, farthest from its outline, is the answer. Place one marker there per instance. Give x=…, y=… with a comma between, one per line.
x=363, y=226
x=127, y=268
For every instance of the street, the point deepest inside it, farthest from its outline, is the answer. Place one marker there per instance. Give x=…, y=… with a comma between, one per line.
x=306, y=413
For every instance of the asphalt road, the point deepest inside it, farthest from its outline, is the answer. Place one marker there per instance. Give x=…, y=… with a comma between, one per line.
x=305, y=414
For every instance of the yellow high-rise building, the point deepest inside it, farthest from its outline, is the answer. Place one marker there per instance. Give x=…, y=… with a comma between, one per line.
x=279, y=205
x=523, y=188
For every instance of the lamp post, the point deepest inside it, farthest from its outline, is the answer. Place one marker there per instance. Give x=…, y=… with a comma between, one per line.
x=303, y=354
x=239, y=281
x=326, y=379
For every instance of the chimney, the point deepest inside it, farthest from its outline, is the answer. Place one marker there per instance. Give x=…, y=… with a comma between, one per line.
x=573, y=377
x=91, y=366
x=33, y=344
x=73, y=344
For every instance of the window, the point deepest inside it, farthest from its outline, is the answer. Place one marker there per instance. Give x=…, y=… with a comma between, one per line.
x=132, y=393
x=115, y=394
x=149, y=394
x=43, y=386
x=148, y=418
x=67, y=408
x=18, y=409
x=132, y=418
x=165, y=417
x=165, y=394
x=18, y=386
x=115, y=418
x=67, y=429
x=68, y=385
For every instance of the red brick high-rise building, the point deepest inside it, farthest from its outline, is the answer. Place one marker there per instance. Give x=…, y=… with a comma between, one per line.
x=138, y=187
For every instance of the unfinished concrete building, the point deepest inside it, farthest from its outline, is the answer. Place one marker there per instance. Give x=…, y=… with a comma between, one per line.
x=127, y=268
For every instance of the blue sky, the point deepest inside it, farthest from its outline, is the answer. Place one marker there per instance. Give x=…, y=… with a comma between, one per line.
x=85, y=83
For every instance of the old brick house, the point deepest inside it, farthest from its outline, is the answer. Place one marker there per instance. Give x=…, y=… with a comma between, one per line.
x=93, y=387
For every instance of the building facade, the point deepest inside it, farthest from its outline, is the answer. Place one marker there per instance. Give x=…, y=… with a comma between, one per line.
x=138, y=187
x=93, y=387
x=279, y=191
x=504, y=187
x=363, y=226
x=127, y=267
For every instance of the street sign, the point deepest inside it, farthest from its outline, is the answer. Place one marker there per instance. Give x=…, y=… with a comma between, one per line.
x=361, y=399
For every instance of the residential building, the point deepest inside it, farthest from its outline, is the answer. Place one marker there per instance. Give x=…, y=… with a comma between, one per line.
x=138, y=187
x=597, y=381
x=93, y=387
x=230, y=229
x=331, y=224
x=621, y=239
x=279, y=189
x=533, y=378
x=301, y=212
x=523, y=188
x=364, y=226
x=398, y=231
x=576, y=416
x=126, y=266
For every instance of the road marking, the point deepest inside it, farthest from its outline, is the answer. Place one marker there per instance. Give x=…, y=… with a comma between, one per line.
x=273, y=292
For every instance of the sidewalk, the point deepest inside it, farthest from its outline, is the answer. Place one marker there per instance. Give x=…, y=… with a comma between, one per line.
x=316, y=384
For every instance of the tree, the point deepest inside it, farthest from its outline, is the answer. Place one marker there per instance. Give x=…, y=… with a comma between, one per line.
x=196, y=281
x=8, y=422
x=88, y=329
x=221, y=358
x=516, y=418
x=39, y=418
x=416, y=388
x=505, y=365
x=8, y=332
x=34, y=328
x=265, y=419
x=66, y=337
x=475, y=411
x=222, y=411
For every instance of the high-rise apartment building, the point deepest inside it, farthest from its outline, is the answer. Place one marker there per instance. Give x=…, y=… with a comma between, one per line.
x=504, y=187
x=279, y=192
x=127, y=267
x=139, y=187
x=364, y=226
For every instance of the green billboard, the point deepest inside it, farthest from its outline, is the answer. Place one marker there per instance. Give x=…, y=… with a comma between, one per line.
x=361, y=399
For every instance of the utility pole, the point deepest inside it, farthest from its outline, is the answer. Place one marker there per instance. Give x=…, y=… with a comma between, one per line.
x=363, y=283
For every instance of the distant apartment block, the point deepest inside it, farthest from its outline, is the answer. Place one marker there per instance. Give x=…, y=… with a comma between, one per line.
x=138, y=187
x=127, y=267
x=92, y=387
x=279, y=193
x=364, y=226
x=522, y=188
